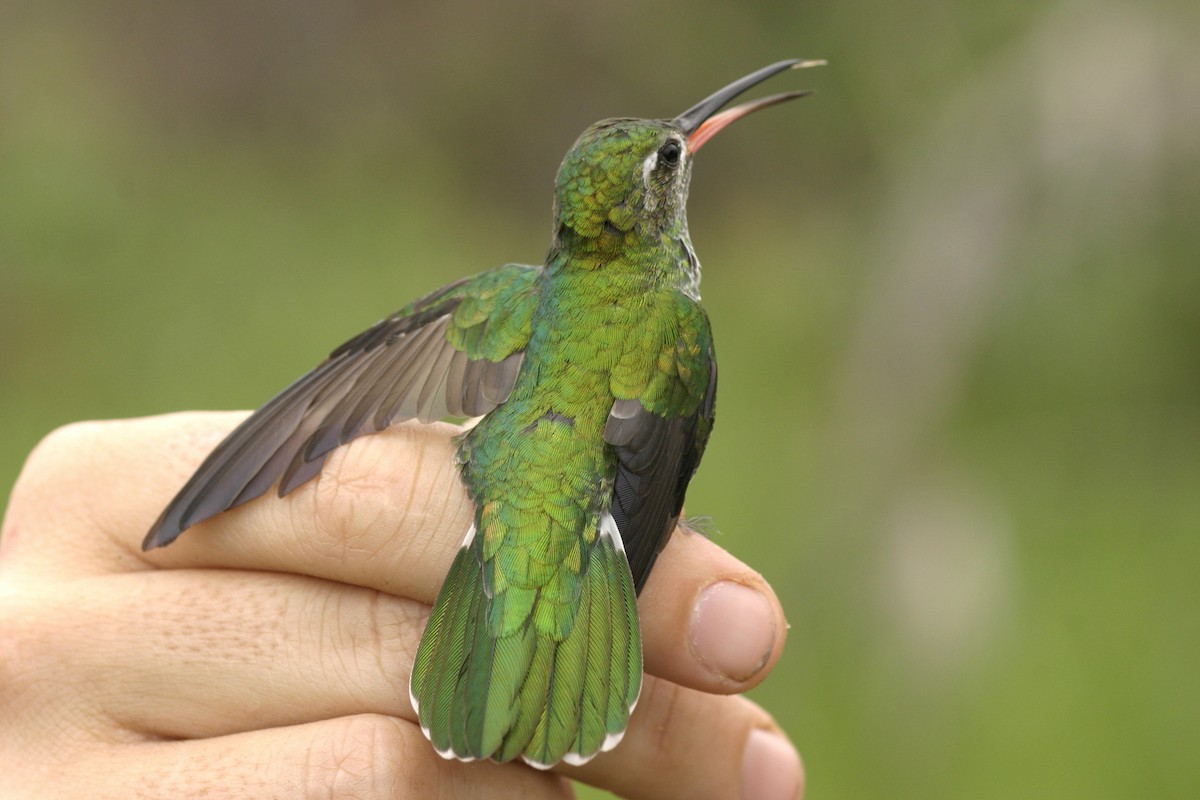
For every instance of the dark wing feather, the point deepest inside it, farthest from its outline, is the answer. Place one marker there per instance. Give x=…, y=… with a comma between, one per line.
x=656, y=458
x=407, y=366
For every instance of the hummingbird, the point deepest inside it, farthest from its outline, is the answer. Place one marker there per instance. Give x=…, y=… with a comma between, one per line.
x=595, y=378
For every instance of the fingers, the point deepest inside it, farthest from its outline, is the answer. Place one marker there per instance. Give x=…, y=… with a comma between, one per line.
x=369, y=757
x=185, y=654
x=114, y=477
x=388, y=512
x=194, y=655
x=395, y=491
x=330, y=637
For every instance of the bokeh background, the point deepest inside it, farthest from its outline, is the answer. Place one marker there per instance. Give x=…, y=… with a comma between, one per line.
x=956, y=295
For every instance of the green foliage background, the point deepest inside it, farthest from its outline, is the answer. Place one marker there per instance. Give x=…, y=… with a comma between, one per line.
x=956, y=295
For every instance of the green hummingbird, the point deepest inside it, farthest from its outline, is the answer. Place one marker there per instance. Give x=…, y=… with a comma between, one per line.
x=596, y=381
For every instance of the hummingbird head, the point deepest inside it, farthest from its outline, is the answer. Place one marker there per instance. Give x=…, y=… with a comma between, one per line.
x=623, y=174
x=628, y=177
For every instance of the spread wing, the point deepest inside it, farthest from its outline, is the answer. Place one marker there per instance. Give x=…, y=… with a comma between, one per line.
x=455, y=352
x=659, y=437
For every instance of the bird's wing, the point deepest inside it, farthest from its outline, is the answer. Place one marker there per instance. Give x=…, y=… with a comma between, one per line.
x=455, y=352
x=659, y=435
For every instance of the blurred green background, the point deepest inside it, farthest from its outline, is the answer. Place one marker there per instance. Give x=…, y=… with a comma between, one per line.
x=956, y=296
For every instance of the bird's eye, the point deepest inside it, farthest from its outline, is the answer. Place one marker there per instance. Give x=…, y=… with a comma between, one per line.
x=669, y=153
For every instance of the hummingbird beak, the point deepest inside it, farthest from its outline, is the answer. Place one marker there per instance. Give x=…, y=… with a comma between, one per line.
x=701, y=122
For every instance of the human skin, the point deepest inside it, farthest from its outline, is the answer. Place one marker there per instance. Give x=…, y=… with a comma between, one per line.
x=267, y=652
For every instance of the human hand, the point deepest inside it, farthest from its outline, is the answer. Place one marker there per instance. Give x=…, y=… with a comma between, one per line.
x=267, y=652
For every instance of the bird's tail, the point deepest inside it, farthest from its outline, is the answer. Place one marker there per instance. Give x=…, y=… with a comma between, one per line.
x=483, y=689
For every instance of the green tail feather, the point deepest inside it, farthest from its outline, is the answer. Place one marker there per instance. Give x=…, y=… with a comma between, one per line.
x=526, y=694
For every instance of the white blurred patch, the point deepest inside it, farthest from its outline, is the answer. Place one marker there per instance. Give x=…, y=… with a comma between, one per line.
x=1112, y=84
x=948, y=577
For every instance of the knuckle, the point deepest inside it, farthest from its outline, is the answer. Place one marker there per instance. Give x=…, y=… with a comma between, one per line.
x=385, y=637
x=64, y=480
x=353, y=503
x=669, y=752
x=665, y=708
x=369, y=757
x=393, y=494
x=374, y=640
x=64, y=441
x=56, y=456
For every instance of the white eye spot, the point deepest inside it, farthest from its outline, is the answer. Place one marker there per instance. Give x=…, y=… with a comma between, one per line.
x=648, y=166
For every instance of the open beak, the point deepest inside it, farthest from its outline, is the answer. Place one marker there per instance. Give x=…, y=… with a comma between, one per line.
x=701, y=122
